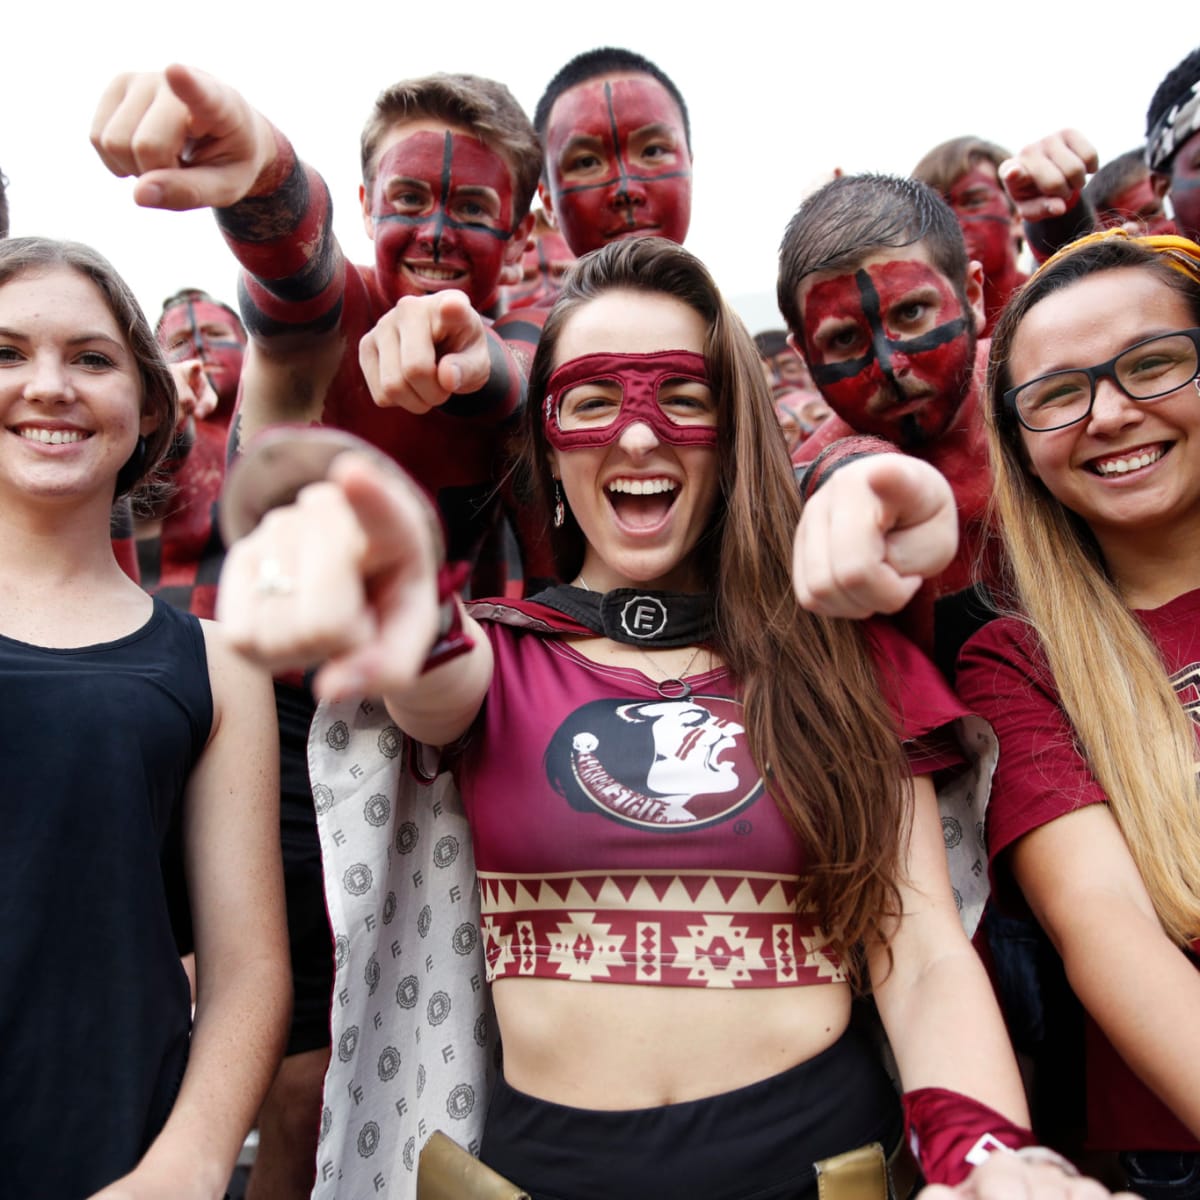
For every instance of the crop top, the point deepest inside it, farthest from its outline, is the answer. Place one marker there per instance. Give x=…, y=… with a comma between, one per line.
x=626, y=837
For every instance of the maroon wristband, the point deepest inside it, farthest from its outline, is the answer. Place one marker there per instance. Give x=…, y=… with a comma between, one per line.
x=950, y=1134
x=452, y=639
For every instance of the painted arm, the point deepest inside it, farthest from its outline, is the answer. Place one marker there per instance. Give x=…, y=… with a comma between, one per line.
x=1079, y=878
x=869, y=537
x=360, y=553
x=194, y=142
x=235, y=881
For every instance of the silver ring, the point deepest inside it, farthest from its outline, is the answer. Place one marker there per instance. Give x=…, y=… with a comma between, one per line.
x=271, y=579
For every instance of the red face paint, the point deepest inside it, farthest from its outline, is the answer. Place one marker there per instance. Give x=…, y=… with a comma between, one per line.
x=618, y=163
x=442, y=208
x=542, y=267
x=203, y=330
x=891, y=347
x=1185, y=187
x=1141, y=202
x=983, y=213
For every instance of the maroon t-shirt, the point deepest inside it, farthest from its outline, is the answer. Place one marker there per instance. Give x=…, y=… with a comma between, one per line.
x=1041, y=775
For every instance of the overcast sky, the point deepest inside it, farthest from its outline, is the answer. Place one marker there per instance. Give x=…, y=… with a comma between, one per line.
x=779, y=94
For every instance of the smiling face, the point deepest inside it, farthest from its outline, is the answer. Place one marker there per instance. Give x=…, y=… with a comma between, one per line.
x=891, y=343
x=642, y=498
x=1131, y=466
x=70, y=392
x=440, y=211
x=617, y=163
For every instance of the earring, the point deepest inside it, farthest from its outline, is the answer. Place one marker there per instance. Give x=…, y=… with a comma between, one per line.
x=131, y=472
x=560, y=513
x=1196, y=381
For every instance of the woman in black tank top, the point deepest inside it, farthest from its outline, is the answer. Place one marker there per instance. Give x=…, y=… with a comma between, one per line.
x=122, y=720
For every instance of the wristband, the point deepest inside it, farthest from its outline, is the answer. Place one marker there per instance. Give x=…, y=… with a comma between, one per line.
x=950, y=1133
x=452, y=640
x=836, y=455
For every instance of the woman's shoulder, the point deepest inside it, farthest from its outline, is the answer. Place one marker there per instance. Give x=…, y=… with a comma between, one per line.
x=1010, y=640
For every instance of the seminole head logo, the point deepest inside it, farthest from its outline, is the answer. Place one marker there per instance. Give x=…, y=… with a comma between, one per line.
x=658, y=764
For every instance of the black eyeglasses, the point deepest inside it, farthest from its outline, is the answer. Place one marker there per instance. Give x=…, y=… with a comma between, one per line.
x=1145, y=371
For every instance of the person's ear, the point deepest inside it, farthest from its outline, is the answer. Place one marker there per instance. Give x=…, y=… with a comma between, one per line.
x=516, y=246
x=364, y=204
x=974, y=294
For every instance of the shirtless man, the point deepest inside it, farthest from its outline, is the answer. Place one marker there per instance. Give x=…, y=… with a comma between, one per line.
x=963, y=171
x=880, y=298
x=618, y=159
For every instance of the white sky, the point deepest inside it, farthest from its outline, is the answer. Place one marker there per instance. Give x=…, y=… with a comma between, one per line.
x=779, y=94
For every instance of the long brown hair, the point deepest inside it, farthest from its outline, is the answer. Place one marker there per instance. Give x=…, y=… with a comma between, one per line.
x=817, y=724
x=32, y=255
x=1109, y=674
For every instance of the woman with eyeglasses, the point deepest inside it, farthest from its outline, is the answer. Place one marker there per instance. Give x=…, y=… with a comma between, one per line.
x=1094, y=689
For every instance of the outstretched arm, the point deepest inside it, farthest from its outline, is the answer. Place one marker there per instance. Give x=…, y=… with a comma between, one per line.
x=348, y=576
x=871, y=534
x=194, y=142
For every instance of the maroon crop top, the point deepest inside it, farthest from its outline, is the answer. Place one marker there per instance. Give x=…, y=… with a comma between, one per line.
x=625, y=837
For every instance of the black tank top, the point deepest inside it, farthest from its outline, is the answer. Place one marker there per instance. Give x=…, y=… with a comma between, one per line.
x=96, y=745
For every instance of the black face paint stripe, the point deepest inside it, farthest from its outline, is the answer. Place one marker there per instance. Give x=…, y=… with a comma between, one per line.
x=882, y=346
x=985, y=217
x=871, y=310
x=446, y=223
x=439, y=221
x=629, y=176
x=622, y=166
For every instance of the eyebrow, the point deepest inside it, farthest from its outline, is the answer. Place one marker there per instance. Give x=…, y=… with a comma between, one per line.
x=581, y=141
x=477, y=189
x=78, y=339
x=655, y=127
x=407, y=181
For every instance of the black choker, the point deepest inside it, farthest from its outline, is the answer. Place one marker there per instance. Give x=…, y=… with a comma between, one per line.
x=638, y=618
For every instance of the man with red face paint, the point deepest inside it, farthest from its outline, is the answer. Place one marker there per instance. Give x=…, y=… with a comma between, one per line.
x=179, y=548
x=880, y=298
x=963, y=171
x=402, y=353
x=545, y=261
x=618, y=159
x=1127, y=193
x=1173, y=140
x=1046, y=179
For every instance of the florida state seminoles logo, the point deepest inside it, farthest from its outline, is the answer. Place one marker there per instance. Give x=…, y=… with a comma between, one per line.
x=657, y=764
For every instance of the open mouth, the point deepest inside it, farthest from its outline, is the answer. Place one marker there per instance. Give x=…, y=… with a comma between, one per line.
x=1128, y=463
x=642, y=504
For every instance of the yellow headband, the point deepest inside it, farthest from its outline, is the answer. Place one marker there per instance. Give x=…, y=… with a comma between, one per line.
x=1181, y=254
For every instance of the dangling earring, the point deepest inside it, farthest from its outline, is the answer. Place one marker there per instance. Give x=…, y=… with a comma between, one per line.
x=131, y=472
x=560, y=513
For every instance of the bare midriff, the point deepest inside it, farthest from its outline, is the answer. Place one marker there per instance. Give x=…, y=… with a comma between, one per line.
x=624, y=1046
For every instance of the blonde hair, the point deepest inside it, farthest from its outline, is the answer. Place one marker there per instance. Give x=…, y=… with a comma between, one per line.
x=1109, y=673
